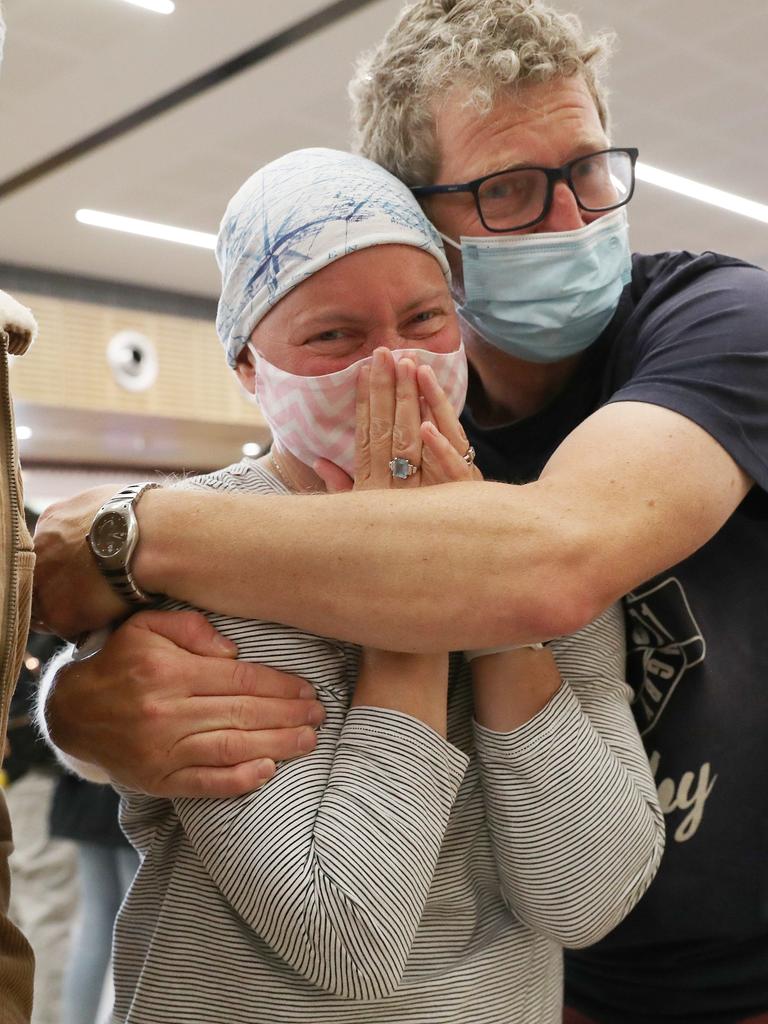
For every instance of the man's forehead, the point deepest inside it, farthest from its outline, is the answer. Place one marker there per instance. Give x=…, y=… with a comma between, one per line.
x=542, y=124
x=512, y=156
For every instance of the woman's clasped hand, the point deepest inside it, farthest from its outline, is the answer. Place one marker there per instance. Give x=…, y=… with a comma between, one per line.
x=407, y=431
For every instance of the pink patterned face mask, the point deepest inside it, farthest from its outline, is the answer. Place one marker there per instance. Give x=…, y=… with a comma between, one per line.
x=314, y=417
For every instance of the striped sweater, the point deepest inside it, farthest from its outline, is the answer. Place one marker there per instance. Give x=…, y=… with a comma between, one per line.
x=393, y=875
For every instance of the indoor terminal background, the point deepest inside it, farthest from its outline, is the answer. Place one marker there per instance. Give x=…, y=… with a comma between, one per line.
x=157, y=111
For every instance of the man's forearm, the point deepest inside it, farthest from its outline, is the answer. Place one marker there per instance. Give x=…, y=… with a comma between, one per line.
x=634, y=489
x=461, y=565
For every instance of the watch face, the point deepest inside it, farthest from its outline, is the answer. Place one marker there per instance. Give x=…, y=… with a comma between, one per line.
x=109, y=534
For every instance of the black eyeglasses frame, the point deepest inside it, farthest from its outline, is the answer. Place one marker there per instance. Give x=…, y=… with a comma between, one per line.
x=554, y=175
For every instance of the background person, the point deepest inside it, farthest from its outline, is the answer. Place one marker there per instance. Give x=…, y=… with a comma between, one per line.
x=43, y=867
x=646, y=450
x=84, y=815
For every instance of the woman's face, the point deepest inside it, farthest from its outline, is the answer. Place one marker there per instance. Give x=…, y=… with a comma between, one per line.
x=393, y=296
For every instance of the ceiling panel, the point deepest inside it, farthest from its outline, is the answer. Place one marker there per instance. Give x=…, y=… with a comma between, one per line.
x=75, y=65
x=687, y=87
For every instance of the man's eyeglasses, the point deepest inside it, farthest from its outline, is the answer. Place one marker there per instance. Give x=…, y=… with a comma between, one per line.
x=520, y=198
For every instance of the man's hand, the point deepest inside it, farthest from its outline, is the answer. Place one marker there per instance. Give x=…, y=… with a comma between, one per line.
x=70, y=594
x=166, y=709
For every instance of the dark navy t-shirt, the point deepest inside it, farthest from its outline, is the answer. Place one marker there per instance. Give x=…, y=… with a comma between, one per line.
x=690, y=334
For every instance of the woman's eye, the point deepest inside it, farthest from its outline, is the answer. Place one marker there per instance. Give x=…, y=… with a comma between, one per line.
x=334, y=335
x=425, y=316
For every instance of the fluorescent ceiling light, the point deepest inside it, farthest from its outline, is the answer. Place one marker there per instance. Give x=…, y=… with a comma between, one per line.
x=23, y=433
x=147, y=228
x=158, y=6
x=705, y=193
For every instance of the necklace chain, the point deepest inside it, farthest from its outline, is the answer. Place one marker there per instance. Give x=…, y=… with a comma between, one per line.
x=290, y=482
x=281, y=471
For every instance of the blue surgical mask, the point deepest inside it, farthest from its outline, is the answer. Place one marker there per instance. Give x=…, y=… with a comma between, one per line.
x=544, y=297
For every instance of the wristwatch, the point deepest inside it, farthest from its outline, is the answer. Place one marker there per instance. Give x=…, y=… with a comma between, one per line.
x=113, y=537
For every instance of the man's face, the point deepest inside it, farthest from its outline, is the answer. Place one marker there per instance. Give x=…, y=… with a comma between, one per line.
x=543, y=125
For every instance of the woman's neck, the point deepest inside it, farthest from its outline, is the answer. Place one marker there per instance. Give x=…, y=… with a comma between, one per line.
x=295, y=474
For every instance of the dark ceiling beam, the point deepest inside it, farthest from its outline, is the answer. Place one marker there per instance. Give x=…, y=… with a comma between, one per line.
x=103, y=292
x=308, y=26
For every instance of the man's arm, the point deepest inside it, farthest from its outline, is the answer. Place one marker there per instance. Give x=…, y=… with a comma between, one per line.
x=634, y=489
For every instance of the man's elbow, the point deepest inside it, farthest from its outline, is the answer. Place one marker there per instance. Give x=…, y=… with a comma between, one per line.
x=564, y=610
x=568, y=593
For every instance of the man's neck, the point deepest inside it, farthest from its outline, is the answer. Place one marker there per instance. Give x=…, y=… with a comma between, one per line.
x=504, y=389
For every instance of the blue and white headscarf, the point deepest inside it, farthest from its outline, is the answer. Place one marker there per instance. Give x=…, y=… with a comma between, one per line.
x=294, y=217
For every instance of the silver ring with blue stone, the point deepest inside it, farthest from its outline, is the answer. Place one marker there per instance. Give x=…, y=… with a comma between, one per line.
x=401, y=469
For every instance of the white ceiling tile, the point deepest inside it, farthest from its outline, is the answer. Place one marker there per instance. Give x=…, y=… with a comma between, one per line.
x=687, y=86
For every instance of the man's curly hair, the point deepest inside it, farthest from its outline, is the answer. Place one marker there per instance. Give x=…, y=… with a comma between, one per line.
x=485, y=46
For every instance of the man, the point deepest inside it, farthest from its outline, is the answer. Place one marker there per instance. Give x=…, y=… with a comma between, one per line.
x=637, y=411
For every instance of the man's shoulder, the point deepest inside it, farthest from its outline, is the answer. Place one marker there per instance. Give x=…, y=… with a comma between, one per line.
x=663, y=275
x=706, y=302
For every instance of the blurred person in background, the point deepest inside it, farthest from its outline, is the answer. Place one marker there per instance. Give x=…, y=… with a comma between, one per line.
x=85, y=816
x=71, y=864
x=621, y=402
x=43, y=868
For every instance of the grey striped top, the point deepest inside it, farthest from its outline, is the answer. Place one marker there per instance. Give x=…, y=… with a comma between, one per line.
x=392, y=875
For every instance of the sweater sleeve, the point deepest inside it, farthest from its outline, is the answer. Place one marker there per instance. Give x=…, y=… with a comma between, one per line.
x=62, y=658
x=575, y=822
x=332, y=860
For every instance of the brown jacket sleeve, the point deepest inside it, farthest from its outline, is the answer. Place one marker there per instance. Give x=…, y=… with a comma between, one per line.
x=16, y=961
x=16, y=563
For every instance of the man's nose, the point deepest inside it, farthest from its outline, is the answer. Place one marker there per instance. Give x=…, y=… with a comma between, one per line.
x=564, y=213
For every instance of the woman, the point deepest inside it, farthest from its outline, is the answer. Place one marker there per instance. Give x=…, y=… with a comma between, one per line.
x=418, y=865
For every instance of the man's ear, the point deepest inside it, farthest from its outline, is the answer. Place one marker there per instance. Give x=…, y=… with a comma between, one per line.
x=245, y=371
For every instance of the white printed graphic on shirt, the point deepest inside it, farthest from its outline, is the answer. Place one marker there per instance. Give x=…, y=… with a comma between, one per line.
x=689, y=794
x=663, y=642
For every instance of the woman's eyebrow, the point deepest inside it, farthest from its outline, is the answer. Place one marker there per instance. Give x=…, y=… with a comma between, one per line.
x=332, y=314
x=437, y=294
x=314, y=316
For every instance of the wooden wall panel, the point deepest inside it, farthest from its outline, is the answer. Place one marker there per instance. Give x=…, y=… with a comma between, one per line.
x=67, y=366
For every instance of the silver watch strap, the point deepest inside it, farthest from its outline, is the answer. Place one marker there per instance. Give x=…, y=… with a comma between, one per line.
x=121, y=580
